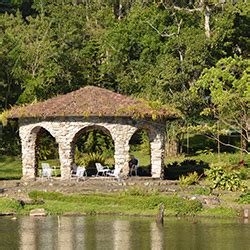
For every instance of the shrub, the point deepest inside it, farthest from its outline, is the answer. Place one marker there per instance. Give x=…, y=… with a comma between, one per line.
x=244, y=198
x=222, y=176
x=243, y=173
x=89, y=160
x=183, y=206
x=192, y=178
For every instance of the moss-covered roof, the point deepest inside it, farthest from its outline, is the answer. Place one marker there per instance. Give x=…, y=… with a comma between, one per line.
x=92, y=101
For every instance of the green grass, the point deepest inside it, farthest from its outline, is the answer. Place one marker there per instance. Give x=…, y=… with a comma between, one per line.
x=8, y=205
x=141, y=203
x=220, y=212
x=231, y=158
x=10, y=168
x=130, y=202
x=144, y=159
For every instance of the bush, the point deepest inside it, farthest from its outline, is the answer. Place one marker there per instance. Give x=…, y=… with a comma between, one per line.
x=89, y=160
x=222, y=176
x=191, y=179
x=243, y=173
x=244, y=198
x=183, y=206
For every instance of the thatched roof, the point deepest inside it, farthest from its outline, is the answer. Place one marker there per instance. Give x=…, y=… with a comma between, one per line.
x=91, y=101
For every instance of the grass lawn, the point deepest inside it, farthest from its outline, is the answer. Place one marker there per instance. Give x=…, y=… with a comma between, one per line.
x=11, y=167
x=142, y=202
x=231, y=158
x=117, y=203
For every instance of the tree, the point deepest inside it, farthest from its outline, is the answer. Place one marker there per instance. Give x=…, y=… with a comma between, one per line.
x=36, y=65
x=227, y=90
x=10, y=88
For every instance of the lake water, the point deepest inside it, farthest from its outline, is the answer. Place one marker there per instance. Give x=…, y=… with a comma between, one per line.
x=103, y=232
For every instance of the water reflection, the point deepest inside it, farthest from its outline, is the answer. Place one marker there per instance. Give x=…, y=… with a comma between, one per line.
x=28, y=233
x=157, y=236
x=27, y=239
x=121, y=234
x=71, y=233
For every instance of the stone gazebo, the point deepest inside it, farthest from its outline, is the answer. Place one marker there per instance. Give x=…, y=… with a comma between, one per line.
x=66, y=116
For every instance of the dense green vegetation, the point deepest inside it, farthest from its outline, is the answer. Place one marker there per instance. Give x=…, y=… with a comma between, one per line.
x=190, y=54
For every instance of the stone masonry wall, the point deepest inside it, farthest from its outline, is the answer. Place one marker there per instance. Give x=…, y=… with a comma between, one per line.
x=66, y=130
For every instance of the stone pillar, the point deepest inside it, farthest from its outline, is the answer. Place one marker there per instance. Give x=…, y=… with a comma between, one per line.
x=121, y=153
x=157, y=155
x=28, y=141
x=121, y=136
x=66, y=158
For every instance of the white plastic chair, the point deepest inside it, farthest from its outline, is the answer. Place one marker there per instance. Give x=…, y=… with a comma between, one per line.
x=101, y=169
x=46, y=170
x=115, y=173
x=80, y=173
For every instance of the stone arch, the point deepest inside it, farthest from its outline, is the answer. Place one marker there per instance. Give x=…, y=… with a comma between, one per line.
x=35, y=130
x=141, y=138
x=156, y=137
x=84, y=130
x=29, y=136
x=88, y=128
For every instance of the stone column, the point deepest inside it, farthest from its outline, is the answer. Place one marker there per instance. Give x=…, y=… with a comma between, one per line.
x=121, y=153
x=122, y=135
x=66, y=158
x=157, y=155
x=28, y=141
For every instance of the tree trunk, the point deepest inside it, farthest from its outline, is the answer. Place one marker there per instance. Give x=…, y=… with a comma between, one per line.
x=207, y=21
x=218, y=140
x=173, y=147
x=118, y=9
x=244, y=139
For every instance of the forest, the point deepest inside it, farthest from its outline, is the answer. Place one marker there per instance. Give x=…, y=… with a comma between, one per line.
x=188, y=54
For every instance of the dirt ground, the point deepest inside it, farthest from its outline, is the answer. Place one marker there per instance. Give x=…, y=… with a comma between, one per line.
x=20, y=189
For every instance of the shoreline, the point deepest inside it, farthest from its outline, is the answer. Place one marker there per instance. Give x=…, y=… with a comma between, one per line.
x=101, y=196
x=70, y=214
